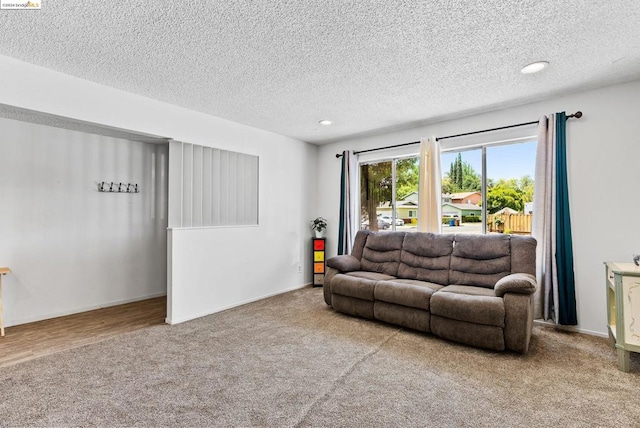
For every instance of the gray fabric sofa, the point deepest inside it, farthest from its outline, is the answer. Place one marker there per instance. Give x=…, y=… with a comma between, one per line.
x=473, y=289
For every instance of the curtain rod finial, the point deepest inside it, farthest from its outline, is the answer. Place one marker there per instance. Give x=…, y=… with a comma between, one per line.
x=577, y=114
x=338, y=155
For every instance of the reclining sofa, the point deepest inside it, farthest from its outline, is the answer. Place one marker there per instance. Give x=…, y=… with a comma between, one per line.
x=473, y=289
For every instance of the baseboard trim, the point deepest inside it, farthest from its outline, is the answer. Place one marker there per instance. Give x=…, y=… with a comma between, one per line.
x=570, y=328
x=173, y=321
x=84, y=309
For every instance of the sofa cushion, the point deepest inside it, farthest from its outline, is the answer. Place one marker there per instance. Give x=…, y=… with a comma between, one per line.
x=426, y=257
x=406, y=292
x=480, y=260
x=470, y=290
x=353, y=286
x=381, y=252
x=370, y=275
x=473, y=308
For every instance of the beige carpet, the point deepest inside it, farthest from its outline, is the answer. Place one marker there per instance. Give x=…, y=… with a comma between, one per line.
x=292, y=361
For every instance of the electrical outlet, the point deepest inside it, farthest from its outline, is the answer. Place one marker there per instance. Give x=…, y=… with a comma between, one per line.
x=299, y=268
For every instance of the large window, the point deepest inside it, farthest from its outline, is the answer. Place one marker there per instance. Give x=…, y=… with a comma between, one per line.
x=485, y=189
x=489, y=189
x=510, y=172
x=389, y=195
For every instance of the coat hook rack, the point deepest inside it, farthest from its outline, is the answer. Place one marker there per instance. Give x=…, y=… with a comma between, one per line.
x=111, y=187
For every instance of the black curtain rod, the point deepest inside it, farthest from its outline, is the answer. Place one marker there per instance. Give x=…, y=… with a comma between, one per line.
x=577, y=115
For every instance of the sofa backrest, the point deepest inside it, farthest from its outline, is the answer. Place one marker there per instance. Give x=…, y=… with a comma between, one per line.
x=445, y=259
x=523, y=254
x=358, y=243
x=480, y=260
x=426, y=257
x=381, y=252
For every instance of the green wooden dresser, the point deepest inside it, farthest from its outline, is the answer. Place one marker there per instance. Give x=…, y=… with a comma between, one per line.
x=623, y=309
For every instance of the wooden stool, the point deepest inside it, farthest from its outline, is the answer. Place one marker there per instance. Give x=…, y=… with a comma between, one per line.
x=3, y=272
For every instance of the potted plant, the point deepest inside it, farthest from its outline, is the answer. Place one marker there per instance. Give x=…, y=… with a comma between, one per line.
x=319, y=225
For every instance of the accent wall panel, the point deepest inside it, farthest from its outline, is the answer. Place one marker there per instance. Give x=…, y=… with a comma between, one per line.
x=211, y=187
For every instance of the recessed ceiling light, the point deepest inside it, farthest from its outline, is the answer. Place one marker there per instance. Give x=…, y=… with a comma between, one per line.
x=325, y=122
x=534, y=67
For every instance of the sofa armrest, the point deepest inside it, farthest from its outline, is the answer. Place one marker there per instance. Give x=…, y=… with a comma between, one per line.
x=521, y=283
x=344, y=263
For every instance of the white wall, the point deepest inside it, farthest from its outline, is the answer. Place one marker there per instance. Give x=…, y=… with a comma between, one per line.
x=278, y=245
x=70, y=247
x=603, y=163
x=220, y=267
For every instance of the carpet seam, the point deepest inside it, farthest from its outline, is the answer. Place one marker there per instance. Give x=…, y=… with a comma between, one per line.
x=344, y=374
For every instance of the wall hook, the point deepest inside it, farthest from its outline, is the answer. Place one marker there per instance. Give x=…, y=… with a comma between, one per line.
x=118, y=188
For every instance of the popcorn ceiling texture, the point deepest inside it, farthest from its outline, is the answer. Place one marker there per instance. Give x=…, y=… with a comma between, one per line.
x=367, y=65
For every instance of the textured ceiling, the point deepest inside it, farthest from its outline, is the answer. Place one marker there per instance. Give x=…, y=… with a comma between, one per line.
x=366, y=65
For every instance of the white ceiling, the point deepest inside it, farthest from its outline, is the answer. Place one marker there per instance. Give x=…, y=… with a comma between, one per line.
x=367, y=65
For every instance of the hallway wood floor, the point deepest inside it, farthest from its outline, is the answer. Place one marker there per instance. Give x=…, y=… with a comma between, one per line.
x=28, y=341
